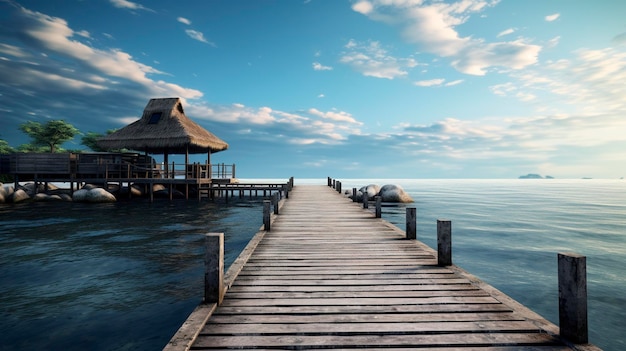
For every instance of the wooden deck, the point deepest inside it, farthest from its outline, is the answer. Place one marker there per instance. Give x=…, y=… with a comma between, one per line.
x=330, y=275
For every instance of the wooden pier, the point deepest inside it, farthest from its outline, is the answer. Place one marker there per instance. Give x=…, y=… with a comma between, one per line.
x=330, y=275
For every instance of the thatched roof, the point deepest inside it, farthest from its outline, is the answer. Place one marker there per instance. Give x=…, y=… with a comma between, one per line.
x=164, y=128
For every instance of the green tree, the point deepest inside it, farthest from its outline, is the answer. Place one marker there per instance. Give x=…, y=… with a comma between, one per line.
x=52, y=134
x=5, y=148
x=90, y=140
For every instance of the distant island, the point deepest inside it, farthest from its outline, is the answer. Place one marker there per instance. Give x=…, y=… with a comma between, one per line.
x=535, y=176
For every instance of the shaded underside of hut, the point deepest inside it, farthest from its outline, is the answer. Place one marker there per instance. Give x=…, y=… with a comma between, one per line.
x=164, y=129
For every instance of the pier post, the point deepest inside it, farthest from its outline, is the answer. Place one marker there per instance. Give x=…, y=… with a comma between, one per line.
x=354, y=195
x=329, y=181
x=444, y=242
x=378, y=206
x=573, y=297
x=411, y=223
x=334, y=184
x=339, y=187
x=275, y=203
x=266, y=214
x=214, y=268
x=365, y=200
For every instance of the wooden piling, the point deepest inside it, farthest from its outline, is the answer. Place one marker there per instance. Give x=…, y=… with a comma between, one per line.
x=444, y=242
x=573, y=297
x=275, y=203
x=214, y=268
x=378, y=206
x=354, y=199
x=266, y=214
x=365, y=200
x=411, y=223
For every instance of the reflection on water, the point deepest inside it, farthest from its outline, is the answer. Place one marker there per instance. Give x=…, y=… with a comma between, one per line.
x=108, y=276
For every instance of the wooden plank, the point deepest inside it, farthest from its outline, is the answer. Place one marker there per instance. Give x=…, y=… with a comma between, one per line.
x=329, y=275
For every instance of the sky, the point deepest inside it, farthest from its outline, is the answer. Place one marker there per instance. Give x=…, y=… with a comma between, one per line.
x=346, y=89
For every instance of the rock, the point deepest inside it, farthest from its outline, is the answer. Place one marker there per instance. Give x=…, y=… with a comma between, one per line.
x=158, y=187
x=65, y=197
x=80, y=195
x=136, y=190
x=95, y=195
x=100, y=195
x=20, y=195
x=394, y=193
x=6, y=191
x=371, y=189
x=47, y=198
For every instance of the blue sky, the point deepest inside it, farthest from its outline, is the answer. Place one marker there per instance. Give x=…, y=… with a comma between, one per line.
x=352, y=89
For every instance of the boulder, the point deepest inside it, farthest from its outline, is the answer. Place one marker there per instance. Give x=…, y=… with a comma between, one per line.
x=93, y=195
x=371, y=189
x=100, y=195
x=20, y=195
x=394, y=193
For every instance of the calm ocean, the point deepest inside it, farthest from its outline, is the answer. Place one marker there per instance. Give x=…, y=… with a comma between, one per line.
x=125, y=276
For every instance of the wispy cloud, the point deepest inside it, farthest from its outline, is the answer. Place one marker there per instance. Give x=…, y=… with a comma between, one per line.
x=432, y=26
x=506, y=32
x=437, y=82
x=554, y=17
x=372, y=60
x=199, y=36
x=430, y=83
x=183, y=20
x=319, y=67
x=125, y=4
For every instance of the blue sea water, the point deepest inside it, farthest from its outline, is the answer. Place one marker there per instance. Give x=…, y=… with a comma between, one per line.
x=124, y=276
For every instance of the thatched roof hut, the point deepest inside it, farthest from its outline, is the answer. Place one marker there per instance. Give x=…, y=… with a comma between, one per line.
x=164, y=129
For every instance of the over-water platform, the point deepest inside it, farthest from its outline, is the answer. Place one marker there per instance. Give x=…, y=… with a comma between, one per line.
x=329, y=275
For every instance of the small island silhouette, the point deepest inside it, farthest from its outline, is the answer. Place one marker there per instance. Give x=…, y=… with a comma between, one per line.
x=535, y=176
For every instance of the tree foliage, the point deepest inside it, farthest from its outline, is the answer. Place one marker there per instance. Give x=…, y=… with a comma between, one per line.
x=90, y=140
x=52, y=134
x=5, y=148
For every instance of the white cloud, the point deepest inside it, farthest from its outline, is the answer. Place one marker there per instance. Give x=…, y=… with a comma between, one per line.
x=319, y=67
x=199, y=36
x=125, y=4
x=100, y=68
x=183, y=20
x=551, y=18
x=506, y=32
x=591, y=82
x=429, y=83
x=340, y=116
x=374, y=61
x=454, y=82
x=432, y=26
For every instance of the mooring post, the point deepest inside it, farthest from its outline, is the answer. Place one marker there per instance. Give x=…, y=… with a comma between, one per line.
x=411, y=223
x=444, y=242
x=365, y=200
x=339, y=187
x=354, y=195
x=573, y=297
x=334, y=184
x=266, y=214
x=378, y=206
x=329, y=182
x=275, y=198
x=214, y=268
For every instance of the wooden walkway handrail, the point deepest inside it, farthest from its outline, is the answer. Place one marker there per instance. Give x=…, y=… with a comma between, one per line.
x=329, y=274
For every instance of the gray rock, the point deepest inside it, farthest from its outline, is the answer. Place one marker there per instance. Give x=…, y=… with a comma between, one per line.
x=394, y=193
x=372, y=190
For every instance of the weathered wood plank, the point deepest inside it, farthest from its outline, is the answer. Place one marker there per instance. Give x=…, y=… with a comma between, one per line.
x=330, y=275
